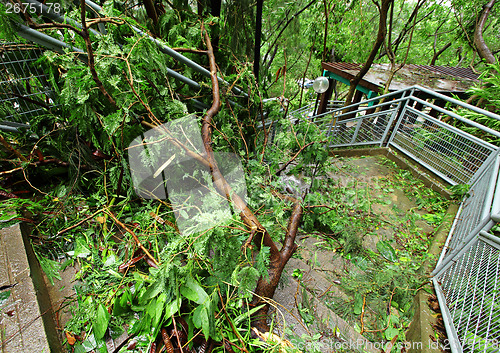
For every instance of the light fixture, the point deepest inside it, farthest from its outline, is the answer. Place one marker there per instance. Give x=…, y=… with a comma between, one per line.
x=321, y=84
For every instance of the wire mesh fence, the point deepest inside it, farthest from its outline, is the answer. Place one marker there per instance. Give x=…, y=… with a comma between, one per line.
x=475, y=209
x=24, y=90
x=449, y=152
x=368, y=129
x=470, y=287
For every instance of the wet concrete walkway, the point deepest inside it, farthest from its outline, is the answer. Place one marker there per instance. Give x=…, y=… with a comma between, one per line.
x=323, y=270
x=21, y=325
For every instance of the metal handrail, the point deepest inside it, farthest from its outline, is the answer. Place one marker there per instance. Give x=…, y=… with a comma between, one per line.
x=432, y=93
x=457, y=157
x=457, y=102
x=45, y=10
x=59, y=46
x=169, y=51
x=375, y=99
x=46, y=40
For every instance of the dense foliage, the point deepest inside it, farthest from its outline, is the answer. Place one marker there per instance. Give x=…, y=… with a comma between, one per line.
x=136, y=271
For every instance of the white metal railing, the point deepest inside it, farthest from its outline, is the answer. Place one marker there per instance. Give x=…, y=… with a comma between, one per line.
x=467, y=275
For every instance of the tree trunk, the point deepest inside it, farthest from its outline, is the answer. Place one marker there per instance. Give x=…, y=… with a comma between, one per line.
x=258, y=36
x=259, y=235
x=149, y=5
x=436, y=54
x=382, y=30
x=482, y=48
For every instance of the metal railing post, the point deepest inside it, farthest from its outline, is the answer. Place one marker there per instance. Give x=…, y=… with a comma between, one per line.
x=401, y=116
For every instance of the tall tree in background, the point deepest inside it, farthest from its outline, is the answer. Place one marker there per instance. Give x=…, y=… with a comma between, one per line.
x=258, y=37
x=482, y=48
x=383, y=9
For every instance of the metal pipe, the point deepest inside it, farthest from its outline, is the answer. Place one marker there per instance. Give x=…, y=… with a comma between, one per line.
x=490, y=196
x=484, y=225
x=182, y=78
x=169, y=51
x=44, y=10
x=45, y=40
x=492, y=238
x=453, y=340
x=57, y=45
x=396, y=93
x=495, y=206
x=8, y=128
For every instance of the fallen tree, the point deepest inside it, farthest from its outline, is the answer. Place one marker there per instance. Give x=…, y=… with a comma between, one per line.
x=183, y=283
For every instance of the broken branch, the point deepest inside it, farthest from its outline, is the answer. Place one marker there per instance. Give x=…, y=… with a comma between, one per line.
x=136, y=239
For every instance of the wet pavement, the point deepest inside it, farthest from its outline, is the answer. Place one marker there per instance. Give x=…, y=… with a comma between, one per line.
x=323, y=269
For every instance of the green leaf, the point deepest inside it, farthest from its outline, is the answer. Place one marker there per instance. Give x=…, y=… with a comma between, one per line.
x=152, y=291
x=247, y=314
x=172, y=307
x=362, y=263
x=80, y=250
x=89, y=344
x=390, y=333
x=193, y=291
x=4, y=296
x=50, y=267
x=160, y=305
x=7, y=217
x=121, y=305
x=387, y=251
x=101, y=322
x=358, y=303
x=200, y=320
x=79, y=348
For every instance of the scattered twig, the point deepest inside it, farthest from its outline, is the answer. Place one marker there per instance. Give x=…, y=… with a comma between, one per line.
x=115, y=21
x=362, y=315
x=79, y=222
x=388, y=321
x=126, y=265
x=177, y=334
x=9, y=147
x=136, y=239
x=250, y=239
x=327, y=290
x=90, y=54
x=295, y=156
x=189, y=50
x=388, y=349
x=32, y=101
x=235, y=331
